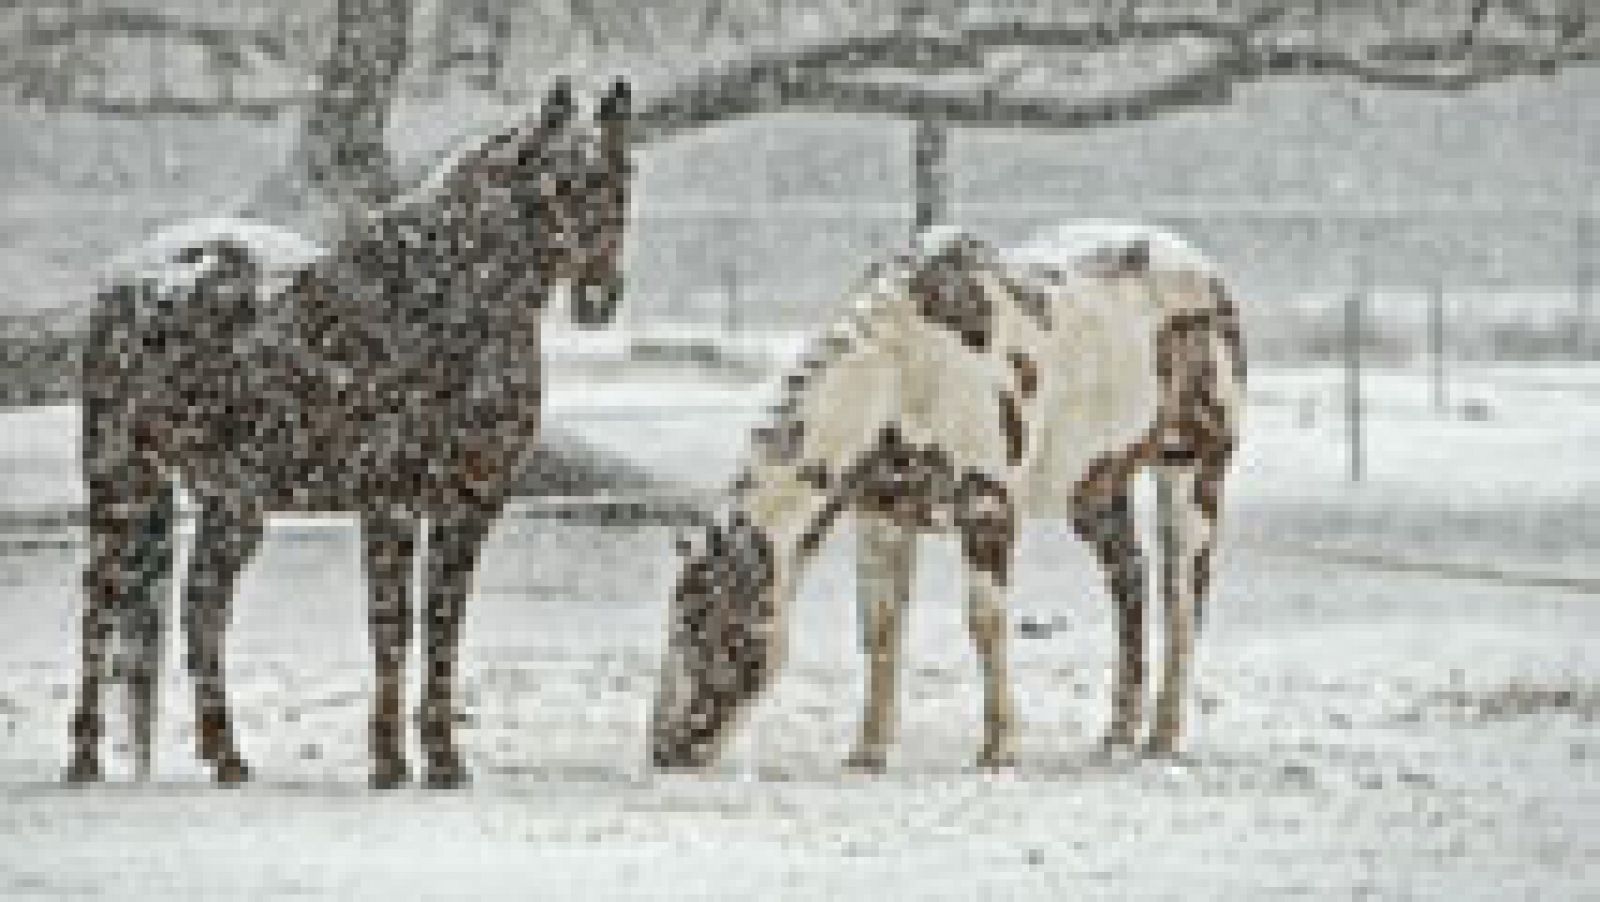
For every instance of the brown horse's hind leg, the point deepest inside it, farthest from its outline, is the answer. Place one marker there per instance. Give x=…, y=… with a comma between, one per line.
x=125, y=500
x=389, y=540
x=454, y=541
x=225, y=540
x=110, y=541
x=1107, y=524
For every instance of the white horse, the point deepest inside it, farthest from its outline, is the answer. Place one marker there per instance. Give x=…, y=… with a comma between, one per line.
x=965, y=390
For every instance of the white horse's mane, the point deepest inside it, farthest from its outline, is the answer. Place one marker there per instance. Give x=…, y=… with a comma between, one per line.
x=875, y=294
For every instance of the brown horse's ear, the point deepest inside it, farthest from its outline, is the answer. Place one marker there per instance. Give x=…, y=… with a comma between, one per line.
x=555, y=113
x=558, y=106
x=618, y=102
x=613, y=114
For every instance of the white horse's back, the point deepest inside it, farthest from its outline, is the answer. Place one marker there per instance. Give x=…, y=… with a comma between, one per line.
x=1110, y=287
x=1073, y=245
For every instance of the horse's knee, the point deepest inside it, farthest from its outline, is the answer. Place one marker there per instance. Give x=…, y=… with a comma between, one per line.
x=987, y=522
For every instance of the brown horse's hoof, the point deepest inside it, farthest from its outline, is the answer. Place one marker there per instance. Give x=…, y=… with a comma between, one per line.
x=447, y=775
x=1161, y=745
x=83, y=769
x=389, y=775
x=1117, y=739
x=996, y=759
x=866, y=762
x=231, y=772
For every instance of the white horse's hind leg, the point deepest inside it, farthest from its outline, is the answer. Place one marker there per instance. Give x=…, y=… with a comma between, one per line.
x=1185, y=541
x=986, y=618
x=1107, y=524
x=885, y=561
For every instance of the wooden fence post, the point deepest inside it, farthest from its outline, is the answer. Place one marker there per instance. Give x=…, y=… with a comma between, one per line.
x=1583, y=287
x=730, y=298
x=1354, y=403
x=1436, y=336
x=930, y=145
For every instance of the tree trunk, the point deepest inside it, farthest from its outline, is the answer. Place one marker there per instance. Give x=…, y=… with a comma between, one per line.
x=342, y=165
x=342, y=146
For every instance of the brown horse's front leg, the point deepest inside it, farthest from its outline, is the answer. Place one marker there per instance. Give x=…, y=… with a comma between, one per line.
x=226, y=538
x=454, y=540
x=388, y=539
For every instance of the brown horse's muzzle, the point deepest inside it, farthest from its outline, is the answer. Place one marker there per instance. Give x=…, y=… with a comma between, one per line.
x=675, y=755
x=595, y=303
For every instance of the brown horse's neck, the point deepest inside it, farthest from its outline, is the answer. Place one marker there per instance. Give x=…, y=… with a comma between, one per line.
x=424, y=266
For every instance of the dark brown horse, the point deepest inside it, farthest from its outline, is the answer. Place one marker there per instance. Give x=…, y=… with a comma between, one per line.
x=396, y=375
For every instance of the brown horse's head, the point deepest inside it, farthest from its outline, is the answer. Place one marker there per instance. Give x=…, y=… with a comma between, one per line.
x=549, y=201
x=722, y=642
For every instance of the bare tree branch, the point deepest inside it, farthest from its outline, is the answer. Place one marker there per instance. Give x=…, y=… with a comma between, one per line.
x=1480, y=11
x=839, y=76
x=218, y=40
x=621, y=24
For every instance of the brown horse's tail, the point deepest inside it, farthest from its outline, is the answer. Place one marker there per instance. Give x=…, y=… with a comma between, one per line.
x=131, y=505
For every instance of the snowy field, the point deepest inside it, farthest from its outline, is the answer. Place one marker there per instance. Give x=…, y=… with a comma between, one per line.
x=1396, y=697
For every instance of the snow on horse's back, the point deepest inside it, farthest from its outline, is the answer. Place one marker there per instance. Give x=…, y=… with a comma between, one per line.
x=1086, y=242
x=165, y=259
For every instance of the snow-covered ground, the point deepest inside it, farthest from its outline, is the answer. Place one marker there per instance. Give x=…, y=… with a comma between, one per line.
x=1397, y=697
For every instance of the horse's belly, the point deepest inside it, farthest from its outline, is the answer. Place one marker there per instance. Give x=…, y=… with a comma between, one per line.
x=1099, y=407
